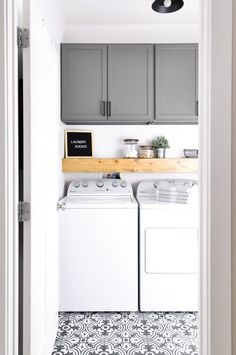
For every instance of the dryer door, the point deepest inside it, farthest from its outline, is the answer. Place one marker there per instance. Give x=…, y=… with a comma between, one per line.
x=168, y=269
x=171, y=251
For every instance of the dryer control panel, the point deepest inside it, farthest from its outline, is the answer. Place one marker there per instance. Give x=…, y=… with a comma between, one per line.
x=147, y=188
x=100, y=187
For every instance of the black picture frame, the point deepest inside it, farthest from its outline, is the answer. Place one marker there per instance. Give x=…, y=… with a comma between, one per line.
x=78, y=144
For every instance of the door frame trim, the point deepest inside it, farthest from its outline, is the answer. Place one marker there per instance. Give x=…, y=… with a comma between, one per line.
x=215, y=69
x=8, y=180
x=215, y=177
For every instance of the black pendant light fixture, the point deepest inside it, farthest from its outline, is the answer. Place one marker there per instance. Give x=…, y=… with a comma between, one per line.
x=167, y=6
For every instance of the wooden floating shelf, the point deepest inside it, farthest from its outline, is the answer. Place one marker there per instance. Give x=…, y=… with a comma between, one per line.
x=109, y=165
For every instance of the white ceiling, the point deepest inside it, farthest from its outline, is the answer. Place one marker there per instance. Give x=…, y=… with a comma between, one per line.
x=125, y=12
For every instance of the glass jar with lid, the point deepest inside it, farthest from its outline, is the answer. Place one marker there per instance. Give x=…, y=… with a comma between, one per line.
x=146, y=151
x=131, y=148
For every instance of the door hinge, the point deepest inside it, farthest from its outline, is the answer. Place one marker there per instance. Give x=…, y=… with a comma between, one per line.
x=23, y=211
x=22, y=37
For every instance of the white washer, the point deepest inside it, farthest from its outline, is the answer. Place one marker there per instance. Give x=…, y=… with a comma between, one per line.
x=98, y=247
x=168, y=267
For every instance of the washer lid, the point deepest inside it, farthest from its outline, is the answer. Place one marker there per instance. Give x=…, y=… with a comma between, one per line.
x=94, y=201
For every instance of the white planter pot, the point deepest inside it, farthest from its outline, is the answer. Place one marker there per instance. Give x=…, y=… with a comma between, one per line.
x=161, y=153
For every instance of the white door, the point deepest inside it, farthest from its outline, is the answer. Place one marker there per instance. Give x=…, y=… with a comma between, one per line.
x=41, y=170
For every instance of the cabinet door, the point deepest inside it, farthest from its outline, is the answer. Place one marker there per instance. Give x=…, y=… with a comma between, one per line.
x=83, y=83
x=130, y=83
x=176, y=100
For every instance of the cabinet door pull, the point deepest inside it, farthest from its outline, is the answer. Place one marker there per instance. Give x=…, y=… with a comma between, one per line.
x=104, y=108
x=109, y=108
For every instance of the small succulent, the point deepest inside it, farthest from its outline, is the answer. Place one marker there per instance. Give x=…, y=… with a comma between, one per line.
x=160, y=142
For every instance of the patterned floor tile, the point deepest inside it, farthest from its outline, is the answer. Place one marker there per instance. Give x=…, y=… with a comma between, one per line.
x=127, y=333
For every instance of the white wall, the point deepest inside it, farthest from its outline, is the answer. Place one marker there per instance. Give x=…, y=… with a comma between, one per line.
x=180, y=137
x=108, y=143
x=108, y=139
x=53, y=18
x=3, y=189
x=131, y=34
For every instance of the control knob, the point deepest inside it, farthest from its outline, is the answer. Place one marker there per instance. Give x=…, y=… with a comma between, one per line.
x=76, y=184
x=85, y=184
x=123, y=184
x=100, y=183
x=114, y=183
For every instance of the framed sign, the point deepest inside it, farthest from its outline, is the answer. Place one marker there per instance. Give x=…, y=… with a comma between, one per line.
x=78, y=144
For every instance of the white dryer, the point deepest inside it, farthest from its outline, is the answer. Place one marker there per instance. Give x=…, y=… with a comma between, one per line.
x=98, y=247
x=168, y=250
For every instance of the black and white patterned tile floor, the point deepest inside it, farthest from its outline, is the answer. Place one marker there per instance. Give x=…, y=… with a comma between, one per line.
x=127, y=333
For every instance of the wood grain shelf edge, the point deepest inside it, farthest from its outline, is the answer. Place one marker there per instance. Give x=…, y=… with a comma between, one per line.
x=107, y=165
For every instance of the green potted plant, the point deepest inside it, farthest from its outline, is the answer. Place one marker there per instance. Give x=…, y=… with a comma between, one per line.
x=160, y=144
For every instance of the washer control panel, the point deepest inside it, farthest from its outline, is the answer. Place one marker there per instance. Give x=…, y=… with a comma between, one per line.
x=100, y=187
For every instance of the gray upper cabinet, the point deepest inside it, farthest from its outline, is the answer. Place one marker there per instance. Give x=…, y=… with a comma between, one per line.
x=176, y=76
x=83, y=83
x=130, y=83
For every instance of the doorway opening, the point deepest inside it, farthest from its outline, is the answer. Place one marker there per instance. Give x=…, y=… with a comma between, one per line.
x=45, y=184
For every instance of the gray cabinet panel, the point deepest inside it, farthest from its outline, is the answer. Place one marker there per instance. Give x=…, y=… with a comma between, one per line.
x=130, y=83
x=83, y=83
x=176, y=83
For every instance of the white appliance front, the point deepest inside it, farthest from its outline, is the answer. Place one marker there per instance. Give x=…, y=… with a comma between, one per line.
x=99, y=251
x=168, y=253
